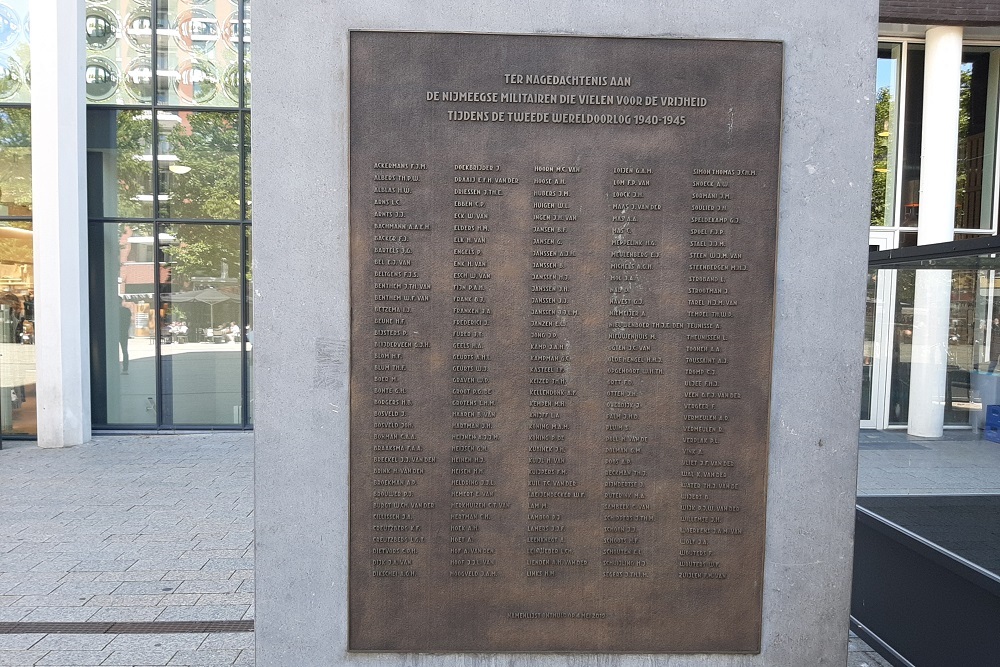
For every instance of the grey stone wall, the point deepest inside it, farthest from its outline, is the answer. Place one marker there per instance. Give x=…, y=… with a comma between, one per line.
x=302, y=307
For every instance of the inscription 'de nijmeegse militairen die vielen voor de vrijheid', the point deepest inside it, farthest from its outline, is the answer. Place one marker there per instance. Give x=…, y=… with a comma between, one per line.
x=562, y=275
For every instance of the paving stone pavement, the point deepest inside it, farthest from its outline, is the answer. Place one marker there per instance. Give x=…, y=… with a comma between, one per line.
x=128, y=529
x=159, y=528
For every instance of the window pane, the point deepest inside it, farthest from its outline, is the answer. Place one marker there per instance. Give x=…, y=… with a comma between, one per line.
x=886, y=134
x=247, y=181
x=199, y=165
x=15, y=56
x=197, y=45
x=962, y=349
x=976, y=139
x=249, y=327
x=17, y=329
x=200, y=332
x=15, y=161
x=123, y=266
x=913, y=126
x=120, y=163
x=119, y=51
x=246, y=53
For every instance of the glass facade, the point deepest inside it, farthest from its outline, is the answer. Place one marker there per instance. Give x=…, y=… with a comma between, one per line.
x=17, y=302
x=168, y=172
x=895, y=217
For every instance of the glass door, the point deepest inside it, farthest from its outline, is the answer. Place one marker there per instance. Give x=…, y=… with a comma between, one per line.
x=876, y=368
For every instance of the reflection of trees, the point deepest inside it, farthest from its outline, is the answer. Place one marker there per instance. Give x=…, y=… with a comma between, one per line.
x=207, y=149
x=15, y=160
x=203, y=251
x=883, y=119
x=134, y=134
x=17, y=249
x=965, y=160
x=204, y=182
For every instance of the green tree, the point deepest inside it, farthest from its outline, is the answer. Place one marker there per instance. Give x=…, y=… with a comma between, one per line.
x=204, y=181
x=15, y=161
x=880, y=156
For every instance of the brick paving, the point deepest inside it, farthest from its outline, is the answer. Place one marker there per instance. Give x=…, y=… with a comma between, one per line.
x=132, y=530
x=127, y=530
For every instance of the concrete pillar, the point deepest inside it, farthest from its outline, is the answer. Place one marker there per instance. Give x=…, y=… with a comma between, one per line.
x=932, y=290
x=58, y=132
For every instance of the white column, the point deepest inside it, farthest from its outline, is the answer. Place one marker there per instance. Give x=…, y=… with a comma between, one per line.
x=58, y=133
x=932, y=290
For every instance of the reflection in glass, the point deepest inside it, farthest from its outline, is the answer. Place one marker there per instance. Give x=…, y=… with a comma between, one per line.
x=886, y=134
x=102, y=28
x=15, y=52
x=10, y=26
x=17, y=329
x=120, y=162
x=249, y=323
x=246, y=53
x=196, y=31
x=200, y=325
x=15, y=161
x=909, y=192
x=193, y=52
x=11, y=78
x=196, y=82
x=139, y=29
x=247, y=146
x=976, y=139
x=868, y=359
x=139, y=80
x=124, y=381
x=963, y=352
x=200, y=166
x=102, y=79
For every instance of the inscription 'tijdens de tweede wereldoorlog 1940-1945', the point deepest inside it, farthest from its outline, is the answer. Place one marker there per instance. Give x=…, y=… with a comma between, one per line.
x=562, y=268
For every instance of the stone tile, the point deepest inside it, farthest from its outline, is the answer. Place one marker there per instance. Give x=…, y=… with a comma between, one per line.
x=203, y=613
x=13, y=614
x=136, y=575
x=52, y=600
x=147, y=587
x=199, y=575
x=73, y=642
x=58, y=614
x=182, y=599
x=19, y=642
x=172, y=641
x=33, y=587
x=74, y=658
x=149, y=657
x=21, y=658
x=246, y=658
x=238, y=640
x=226, y=598
x=86, y=588
x=124, y=600
x=205, y=657
x=125, y=614
x=220, y=586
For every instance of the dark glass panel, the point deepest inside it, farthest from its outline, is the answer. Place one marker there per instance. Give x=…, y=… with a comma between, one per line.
x=123, y=282
x=200, y=317
x=197, y=44
x=199, y=165
x=15, y=161
x=120, y=163
x=17, y=329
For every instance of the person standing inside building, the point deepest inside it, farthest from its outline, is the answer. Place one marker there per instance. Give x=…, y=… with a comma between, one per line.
x=124, y=324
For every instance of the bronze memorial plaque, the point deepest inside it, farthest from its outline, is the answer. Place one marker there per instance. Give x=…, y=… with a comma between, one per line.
x=562, y=277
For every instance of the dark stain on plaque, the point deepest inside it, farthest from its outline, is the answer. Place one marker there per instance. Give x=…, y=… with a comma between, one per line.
x=562, y=270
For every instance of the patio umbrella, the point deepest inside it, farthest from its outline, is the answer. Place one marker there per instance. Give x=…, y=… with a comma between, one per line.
x=209, y=295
